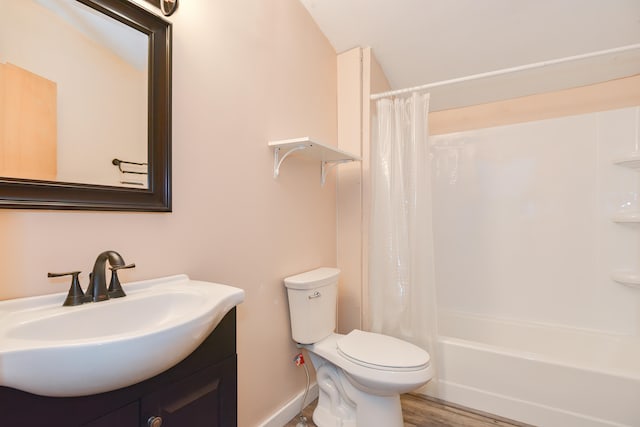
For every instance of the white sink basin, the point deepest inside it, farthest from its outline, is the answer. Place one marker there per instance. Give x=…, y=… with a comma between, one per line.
x=52, y=350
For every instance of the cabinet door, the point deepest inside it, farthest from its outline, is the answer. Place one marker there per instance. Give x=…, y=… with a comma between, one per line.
x=127, y=416
x=205, y=399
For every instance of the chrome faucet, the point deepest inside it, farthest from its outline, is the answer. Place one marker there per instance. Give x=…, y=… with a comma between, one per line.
x=97, y=290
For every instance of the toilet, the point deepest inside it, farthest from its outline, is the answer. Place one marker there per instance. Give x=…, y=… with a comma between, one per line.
x=361, y=374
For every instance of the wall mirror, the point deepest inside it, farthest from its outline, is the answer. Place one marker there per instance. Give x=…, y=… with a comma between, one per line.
x=85, y=106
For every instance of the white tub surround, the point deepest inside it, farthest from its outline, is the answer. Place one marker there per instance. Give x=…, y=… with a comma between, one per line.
x=537, y=245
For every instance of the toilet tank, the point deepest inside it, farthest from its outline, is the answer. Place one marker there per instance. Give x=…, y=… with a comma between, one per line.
x=312, y=304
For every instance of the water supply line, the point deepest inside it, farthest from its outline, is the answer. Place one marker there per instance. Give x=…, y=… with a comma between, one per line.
x=299, y=361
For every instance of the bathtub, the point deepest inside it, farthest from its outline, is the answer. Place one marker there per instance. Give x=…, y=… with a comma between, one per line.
x=538, y=374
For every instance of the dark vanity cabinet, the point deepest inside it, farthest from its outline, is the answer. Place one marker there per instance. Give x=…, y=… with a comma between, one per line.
x=201, y=391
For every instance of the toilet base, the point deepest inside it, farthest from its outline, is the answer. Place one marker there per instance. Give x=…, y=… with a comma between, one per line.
x=323, y=418
x=340, y=403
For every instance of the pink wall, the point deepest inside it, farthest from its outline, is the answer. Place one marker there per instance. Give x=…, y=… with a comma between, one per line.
x=245, y=72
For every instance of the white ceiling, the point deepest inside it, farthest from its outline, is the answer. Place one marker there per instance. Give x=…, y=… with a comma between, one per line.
x=424, y=41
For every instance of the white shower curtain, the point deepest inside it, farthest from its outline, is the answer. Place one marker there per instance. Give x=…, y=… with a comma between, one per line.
x=401, y=267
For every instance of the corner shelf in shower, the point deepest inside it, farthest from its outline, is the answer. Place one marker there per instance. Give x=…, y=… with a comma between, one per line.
x=328, y=156
x=629, y=278
x=627, y=217
x=631, y=161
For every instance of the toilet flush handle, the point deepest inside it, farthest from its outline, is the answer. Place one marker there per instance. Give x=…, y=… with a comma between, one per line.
x=316, y=294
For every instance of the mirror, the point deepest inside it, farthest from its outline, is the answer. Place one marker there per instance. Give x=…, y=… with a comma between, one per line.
x=85, y=115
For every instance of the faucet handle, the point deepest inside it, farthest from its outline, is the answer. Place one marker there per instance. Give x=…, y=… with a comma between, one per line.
x=121, y=267
x=115, y=288
x=75, y=295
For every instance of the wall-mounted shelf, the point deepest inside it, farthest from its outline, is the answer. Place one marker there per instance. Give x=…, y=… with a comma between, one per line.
x=631, y=161
x=626, y=217
x=628, y=278
x=328, y=156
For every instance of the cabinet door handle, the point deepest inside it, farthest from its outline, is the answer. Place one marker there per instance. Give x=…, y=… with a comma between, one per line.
x=154, y=421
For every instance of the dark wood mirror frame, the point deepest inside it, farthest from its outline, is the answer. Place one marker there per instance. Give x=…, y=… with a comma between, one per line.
x=35, y=194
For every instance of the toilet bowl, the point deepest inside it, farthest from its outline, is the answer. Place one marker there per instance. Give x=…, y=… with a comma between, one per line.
x=361, y=374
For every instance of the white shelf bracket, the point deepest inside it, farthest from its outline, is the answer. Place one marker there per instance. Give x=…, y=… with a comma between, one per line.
x=277, y=160
x=327, y=155
x=327, y=165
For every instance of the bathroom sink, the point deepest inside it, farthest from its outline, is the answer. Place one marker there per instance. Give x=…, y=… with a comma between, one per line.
x=52, y=350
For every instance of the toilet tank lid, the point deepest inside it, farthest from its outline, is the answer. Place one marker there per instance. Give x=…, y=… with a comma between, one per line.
x=313, y=279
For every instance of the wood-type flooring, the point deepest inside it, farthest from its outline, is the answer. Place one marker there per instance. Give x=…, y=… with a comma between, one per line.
x=422, y=411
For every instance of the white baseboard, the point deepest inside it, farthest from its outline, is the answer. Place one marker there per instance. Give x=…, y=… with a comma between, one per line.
x=291, y=409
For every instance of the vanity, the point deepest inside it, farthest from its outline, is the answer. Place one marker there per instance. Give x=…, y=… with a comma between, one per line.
x=199, y=391
x=165, y=354
x=162, y=355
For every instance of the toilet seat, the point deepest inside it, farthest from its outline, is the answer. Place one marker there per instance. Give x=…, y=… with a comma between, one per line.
x=366, y=376
x=382, y=352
